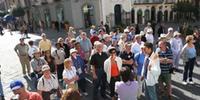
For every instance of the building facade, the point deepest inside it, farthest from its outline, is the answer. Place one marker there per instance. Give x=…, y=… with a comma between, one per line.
x=84, y=13
x=119, y=12
x=79, y=13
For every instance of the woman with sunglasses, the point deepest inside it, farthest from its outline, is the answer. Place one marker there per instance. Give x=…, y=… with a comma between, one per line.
x=112, y=66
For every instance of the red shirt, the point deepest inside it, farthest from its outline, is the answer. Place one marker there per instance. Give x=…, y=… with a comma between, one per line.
x=94, y=38
x=114, y=69
x=34, y=96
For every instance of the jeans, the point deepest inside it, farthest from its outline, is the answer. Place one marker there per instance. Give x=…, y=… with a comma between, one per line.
x=150, y=92
x=81, y=84
x=60, y=69
x=189, y=66
x=100, y=81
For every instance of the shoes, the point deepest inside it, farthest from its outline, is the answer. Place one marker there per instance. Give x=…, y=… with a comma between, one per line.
x=191, y=82
x=184, y=83
x=85, y=93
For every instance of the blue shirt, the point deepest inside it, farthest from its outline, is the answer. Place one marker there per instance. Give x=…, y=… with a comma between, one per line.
x=86, y=45
x=79, y=63
x=191, y=52
x=139, y=59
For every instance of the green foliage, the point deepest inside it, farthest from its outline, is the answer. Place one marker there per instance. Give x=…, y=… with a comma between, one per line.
x=18, y=12
x=2, y=13
x=184, y=7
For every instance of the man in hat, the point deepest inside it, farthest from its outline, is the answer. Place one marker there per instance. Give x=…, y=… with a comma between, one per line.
x=148, y=27
x=176, y=46
x=80, y=66
x=18, y=88
x=37, y=62
x=22, y=51
x=112, y=66
x=47, y=89
x=59, y=55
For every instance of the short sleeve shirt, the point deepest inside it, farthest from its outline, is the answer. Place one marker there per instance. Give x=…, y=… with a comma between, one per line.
x=69, y=74
x=97, y=60
x=45, y=45
x=47, y=84
x=127, y=56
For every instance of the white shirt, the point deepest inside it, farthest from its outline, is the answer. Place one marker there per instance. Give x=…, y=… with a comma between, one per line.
x=135, y=48
x=59, y=55
x=31, y=49
x=69, y=74
x=150, y=38
x=176, y=45
x=48, y=83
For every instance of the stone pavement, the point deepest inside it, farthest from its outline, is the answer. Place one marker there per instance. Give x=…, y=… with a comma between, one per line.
x=11, y=69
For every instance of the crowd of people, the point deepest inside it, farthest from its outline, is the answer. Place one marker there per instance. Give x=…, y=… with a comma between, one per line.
x=131, y=64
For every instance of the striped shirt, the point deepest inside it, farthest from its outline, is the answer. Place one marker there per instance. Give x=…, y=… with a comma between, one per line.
x=165, y=67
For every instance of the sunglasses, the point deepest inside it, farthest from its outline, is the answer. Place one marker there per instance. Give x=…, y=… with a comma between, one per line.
x=113, y=52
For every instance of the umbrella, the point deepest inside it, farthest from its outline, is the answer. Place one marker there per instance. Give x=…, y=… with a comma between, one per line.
x=9, y=18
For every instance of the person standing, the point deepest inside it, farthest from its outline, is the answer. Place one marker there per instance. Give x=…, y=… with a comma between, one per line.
x=32, y=48
x=98, y=73
x=86, y=45
x=69, y=75
x=18, y=88
x=150, y=72
x=188, y=54
x=80, y=66
x=112, y=66
x=166, y=64
x=139, y=61
x=44, y=44
x=126, y=89
x=36, y=63
x=59, y=56
x=135, y=48
x=48, y=85
x=64, y=46
x=22, y=51
x=50, y=60
x=176, y=45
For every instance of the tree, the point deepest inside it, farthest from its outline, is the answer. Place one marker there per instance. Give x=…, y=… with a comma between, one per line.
x=2, y=13
x=18, y=12
x=185, y=10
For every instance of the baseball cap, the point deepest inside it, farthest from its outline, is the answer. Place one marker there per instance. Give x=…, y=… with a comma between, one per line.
x=45, y=67
x=16, y=84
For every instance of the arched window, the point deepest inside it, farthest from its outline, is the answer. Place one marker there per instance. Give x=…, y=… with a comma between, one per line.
x=118, y=15
x=47, y=17
x=88, y=14
x=132, y=15
x=147, y=15
x=159, y=16
x=153, y=13
x=139, y=16
x=166, y=16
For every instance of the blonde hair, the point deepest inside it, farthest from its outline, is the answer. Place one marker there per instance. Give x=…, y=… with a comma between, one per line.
x=189, y=38
x=66, y=62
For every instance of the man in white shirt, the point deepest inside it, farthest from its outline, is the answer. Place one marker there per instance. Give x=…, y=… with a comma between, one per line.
x=48, y=84
x=135, y=48
x=32, y=48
